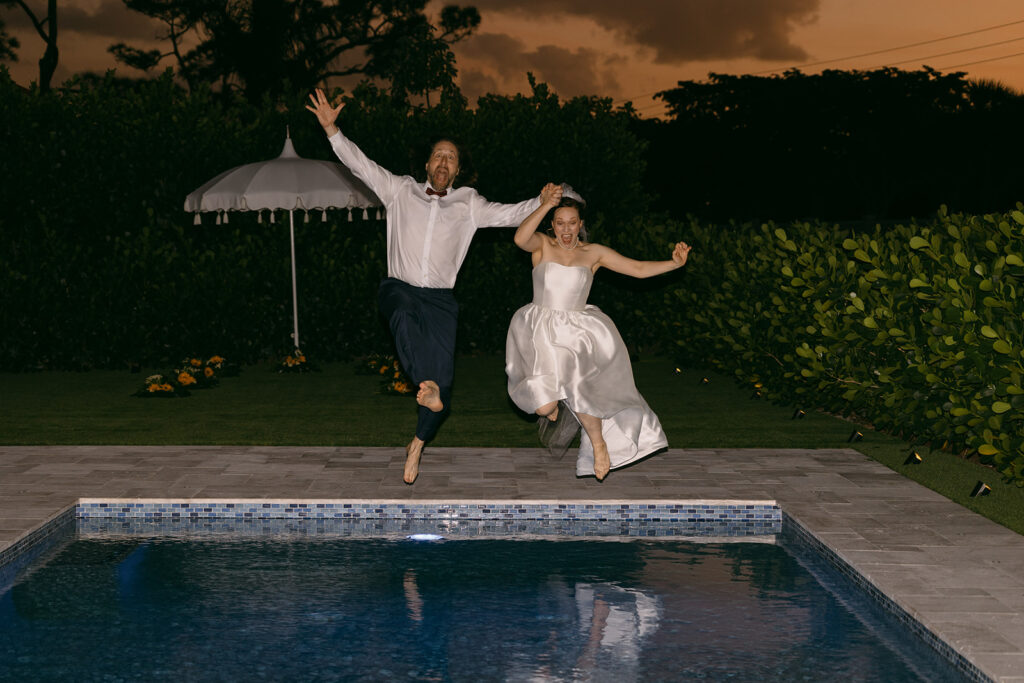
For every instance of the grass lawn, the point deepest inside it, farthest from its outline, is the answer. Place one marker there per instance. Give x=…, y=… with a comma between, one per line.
x=337, y=407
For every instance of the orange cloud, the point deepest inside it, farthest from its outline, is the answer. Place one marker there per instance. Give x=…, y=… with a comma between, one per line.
x=683, y=30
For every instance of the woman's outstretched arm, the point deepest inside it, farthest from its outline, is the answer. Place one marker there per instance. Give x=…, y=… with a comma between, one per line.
x=526, y=237
x=613, y=260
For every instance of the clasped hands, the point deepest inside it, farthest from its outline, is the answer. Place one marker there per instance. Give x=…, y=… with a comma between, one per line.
x=551, y=194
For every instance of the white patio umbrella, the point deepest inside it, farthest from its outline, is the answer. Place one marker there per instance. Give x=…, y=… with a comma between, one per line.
x=288, y=182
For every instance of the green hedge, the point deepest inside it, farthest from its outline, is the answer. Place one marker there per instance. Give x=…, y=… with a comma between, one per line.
x=101, y=267
x=916, y=329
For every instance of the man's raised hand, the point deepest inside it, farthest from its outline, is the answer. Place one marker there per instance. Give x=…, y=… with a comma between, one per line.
x=325, y=113
x=551, y=194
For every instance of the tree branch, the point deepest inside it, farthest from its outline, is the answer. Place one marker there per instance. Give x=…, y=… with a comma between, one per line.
x=36, y=23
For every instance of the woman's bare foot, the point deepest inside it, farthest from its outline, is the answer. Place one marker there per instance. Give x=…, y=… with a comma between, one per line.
x=429, y=396
x=602, y=462
x=412, y=460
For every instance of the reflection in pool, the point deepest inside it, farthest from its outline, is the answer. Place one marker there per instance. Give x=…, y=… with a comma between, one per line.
x=301, y=608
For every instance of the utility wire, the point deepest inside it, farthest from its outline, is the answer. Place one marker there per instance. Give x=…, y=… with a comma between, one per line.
x=980, y=61
x=951, y=52
x=893, y=49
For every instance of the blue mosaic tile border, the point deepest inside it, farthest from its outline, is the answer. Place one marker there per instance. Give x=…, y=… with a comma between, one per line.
x=793, y=533
x=730, y=518
x=399, y=528
x=22, y=553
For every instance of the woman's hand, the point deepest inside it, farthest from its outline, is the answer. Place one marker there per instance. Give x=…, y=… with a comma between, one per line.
x=325, y=113
x=681, y=253
x=551, y=195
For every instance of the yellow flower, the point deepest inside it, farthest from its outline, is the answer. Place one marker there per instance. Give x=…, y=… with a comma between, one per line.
x=215, y=360
x=383, y=369
x=302, y=359
x=401, y=387
x=153, y=387
x=184, y=379
x=208, y=371
x=195, y=362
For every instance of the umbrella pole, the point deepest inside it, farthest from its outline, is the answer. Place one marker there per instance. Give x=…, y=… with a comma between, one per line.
x=295, y=291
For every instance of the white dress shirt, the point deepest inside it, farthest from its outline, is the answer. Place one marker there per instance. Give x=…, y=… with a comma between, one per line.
x=428, y=236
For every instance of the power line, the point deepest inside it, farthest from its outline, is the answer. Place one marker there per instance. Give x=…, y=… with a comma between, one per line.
x=951, y=52
x=635, y=97
x=990, y=59
x=649, y=107
x=893, y=49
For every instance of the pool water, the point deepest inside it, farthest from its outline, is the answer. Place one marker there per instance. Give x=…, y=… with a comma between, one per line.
x=343, y=609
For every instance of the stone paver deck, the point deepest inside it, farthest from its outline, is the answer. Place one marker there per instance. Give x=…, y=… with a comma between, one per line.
x=956, y=572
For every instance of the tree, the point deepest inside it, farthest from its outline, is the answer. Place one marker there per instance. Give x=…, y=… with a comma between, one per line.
x=264, y=47
x=841, y=145
x=47, y=30
x=8, y=43
x=178, y=19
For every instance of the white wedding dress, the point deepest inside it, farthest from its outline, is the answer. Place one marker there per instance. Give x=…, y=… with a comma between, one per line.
x=561, y=347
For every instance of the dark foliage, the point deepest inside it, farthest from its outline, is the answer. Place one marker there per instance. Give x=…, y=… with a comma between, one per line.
x=101, y=267
x=842, y=145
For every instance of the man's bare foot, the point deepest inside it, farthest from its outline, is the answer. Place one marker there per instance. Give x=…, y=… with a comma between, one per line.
x=602, y=462
x=412, y=460
x=429, y=396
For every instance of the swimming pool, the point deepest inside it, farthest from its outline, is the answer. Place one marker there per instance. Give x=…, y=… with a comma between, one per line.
x=216, y=599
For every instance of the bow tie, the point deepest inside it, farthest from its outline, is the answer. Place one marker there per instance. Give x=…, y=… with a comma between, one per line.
x=442, y=193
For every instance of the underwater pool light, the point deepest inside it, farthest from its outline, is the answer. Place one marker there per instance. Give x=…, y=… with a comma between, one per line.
x=425, y=537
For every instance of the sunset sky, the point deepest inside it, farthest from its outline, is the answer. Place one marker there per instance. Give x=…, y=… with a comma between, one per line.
x=628, y=50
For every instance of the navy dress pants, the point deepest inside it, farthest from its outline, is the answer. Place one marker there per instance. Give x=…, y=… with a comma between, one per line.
x=423, y=322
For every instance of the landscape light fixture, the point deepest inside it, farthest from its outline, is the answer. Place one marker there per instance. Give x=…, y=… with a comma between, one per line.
x=798, y=414
x=980, y=489
x=756, y=394
x=704, y=380
x=913, y=459
x=856, y=436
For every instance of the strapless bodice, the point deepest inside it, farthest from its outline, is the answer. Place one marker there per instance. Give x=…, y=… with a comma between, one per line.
x=563, y=288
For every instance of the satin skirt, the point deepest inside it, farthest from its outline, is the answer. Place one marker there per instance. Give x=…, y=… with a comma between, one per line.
x=578, y=356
